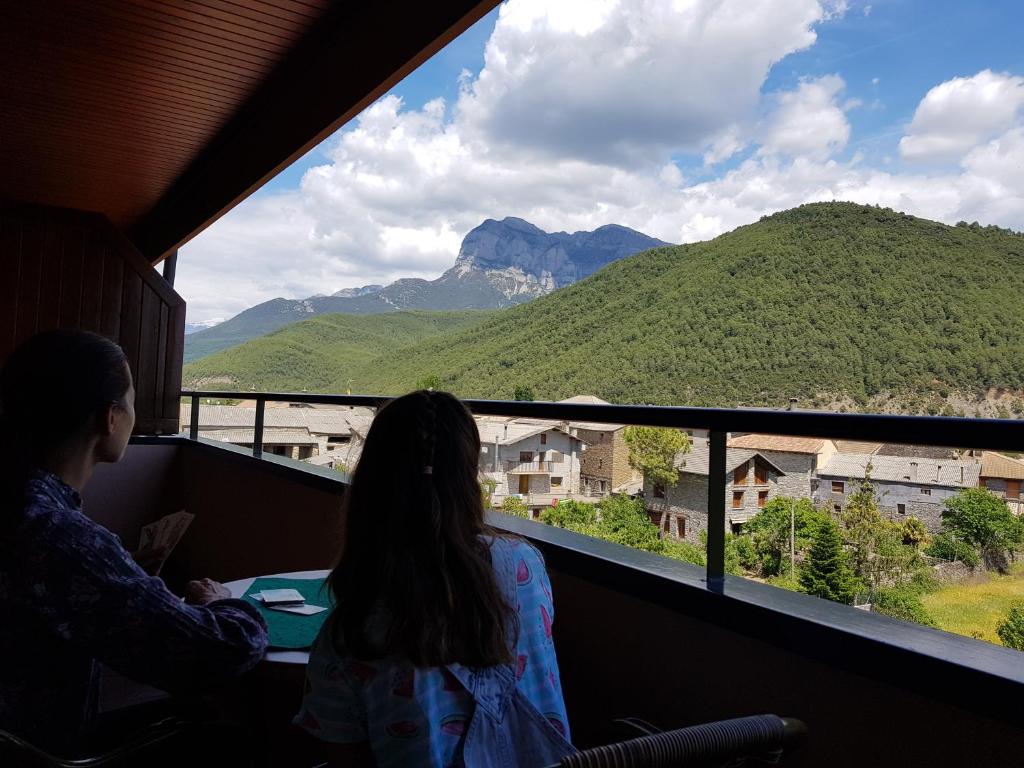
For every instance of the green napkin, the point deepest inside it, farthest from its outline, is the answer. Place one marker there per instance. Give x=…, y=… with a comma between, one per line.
x=291, y=631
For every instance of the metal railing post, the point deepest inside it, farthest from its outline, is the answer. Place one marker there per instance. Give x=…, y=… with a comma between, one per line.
x=193, y=424
x=716, y=508
x=257, y=432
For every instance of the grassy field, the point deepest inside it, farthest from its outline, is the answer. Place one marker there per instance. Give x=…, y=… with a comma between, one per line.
x=973, y=609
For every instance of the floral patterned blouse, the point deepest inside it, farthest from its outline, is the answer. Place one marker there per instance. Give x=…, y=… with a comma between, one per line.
x=70, y=595
x=421, y=716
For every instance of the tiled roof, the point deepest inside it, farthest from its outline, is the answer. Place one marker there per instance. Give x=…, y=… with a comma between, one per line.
x=856, y=446
x=241, y=435
x=996, y=465
x=696, y=460
x=899, y=469
x=320, y=420
x=778, y=443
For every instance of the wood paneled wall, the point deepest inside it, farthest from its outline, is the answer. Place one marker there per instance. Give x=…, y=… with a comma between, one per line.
x=68, y=269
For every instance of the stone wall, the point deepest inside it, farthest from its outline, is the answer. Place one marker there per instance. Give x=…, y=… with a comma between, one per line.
x=927, y=507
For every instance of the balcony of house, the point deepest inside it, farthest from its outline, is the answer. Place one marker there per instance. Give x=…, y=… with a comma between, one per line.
x=529, y=467
x=637, y=634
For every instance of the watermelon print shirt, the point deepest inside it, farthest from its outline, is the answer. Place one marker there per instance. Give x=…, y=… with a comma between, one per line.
x=419, y=716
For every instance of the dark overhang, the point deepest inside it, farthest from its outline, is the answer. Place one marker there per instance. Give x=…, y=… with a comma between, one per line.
x=164, y=114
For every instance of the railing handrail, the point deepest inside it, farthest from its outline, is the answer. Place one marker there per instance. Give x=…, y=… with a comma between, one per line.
x=997, y=434
x=948, y=431
x=539, y=465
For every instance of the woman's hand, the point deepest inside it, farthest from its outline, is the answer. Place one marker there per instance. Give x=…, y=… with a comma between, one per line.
x=205, y=591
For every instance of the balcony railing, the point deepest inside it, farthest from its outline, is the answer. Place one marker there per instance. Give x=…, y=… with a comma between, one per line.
x=990, y=434
x=529, y=467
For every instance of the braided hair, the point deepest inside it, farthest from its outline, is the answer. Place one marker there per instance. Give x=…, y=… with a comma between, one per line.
x=415, y=577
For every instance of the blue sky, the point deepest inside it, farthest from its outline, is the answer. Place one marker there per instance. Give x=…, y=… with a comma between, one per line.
x=680, y=118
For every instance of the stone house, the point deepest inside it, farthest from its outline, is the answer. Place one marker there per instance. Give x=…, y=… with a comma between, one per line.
x=1003, y=476
x=296, y=433
x=798, y=457
x=681, y=509
x=538, y=461
x=906, y=486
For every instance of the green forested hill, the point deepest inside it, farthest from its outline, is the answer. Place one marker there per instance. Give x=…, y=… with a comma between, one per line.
x=822, y=300
x=321, y=354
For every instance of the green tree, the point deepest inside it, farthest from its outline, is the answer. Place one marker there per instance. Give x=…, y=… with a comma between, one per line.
x=862, y=524
x=515, y=506
x=769, y=532
x=902, y=603
x=1011, y=631
x=574, y=515
x=827, y=572
x=433, y=381
x=984, y=521
x=653, y=451
x=914, y=533
x=487, y=486
x=625, y=521
x=523, y=392
x=947, y=547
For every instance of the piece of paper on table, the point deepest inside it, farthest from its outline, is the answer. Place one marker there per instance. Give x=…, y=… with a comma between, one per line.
x=278, y=596
x=304, y=610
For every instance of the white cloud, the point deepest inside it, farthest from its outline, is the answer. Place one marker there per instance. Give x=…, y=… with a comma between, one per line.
x=573, y=123
x=808, y=122
x=625, y=82
x=959, y=114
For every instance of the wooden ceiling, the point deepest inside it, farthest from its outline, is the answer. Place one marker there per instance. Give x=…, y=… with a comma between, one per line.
x=162, y=114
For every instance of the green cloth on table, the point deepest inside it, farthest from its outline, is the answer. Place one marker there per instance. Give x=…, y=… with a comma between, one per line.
x=292, y=631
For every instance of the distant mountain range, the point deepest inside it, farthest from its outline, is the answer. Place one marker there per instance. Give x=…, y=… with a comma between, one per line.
x=835, y=304
x=500, y=264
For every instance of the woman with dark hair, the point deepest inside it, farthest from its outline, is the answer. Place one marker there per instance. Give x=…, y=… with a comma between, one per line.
x=439, y=649
x=70, y=595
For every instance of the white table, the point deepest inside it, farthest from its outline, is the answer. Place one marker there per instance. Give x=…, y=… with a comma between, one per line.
x=240, y=587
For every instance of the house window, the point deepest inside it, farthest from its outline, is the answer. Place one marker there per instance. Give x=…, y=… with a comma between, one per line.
x=600, y=463
x=668, y=523
x=762, y=497
x=338, y=438
x=838, y=486
x=655, y=517
x=1013, y=489
x=556, y=482
x=926, y=491
x=543, y=438
x=737, y=499
x=659, y=490
x=837, y=509
x=681, y=527
x=760, y=474
x=739, y=476
x=603, y=486
x=901, y=509
x=526, y=456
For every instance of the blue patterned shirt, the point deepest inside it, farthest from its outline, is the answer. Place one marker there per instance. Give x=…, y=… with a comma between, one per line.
x=70, y=595
x=421, y=716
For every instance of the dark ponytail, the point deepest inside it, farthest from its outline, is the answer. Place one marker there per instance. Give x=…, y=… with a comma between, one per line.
x=51, y=387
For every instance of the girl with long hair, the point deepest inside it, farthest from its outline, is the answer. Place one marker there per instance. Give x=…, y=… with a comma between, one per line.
x=439, y=649
x=70, y=594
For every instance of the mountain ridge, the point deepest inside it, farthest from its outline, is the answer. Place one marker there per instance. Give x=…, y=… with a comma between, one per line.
x=500, y=263
x=829, y=303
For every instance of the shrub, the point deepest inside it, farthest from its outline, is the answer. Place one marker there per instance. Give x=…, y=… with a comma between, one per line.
x=983, y=520
x=946, y=547
x=902, y=603
x=573, y=515
x=914, y=533
x=513, y=506
x=827, y=572
x=1011, y=631
x=684, y=551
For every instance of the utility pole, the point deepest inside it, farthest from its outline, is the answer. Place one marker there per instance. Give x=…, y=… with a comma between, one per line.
x=792, y=540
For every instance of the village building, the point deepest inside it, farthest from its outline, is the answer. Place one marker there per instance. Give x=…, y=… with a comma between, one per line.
x=295, y=433
x=905, y=486
x=536, y=461
x=1002, y=475
x=680, y=510
x=798, y=457
x=604, y=466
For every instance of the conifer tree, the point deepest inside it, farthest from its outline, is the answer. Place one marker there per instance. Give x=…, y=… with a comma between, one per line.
x=827, y=572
